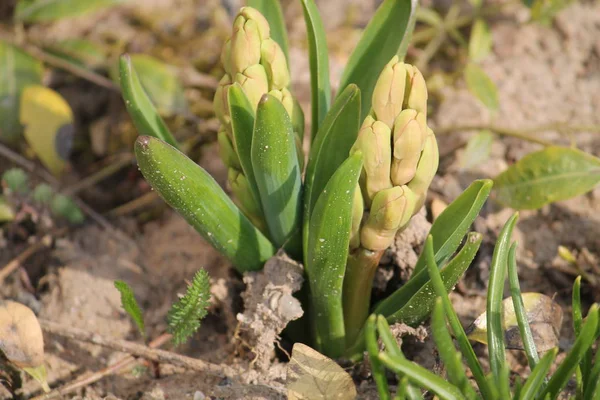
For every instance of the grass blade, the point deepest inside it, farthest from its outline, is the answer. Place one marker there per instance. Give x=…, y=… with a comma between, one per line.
x=586, y=363
x=586, y=338
x=450, y=357
x=195, y=195
x=519, y=306
x=319, y=65
x=330, y=148
x=271, y=9
x=142, y=111
x=495, y=331
x=412, y=303
x=459, y=332
x=592, y=386
x=450, y=227
x=327, y=253
x=377, y=369
x=379, y=43
x=277, y=174
x=535, y=381
x=131, y=306
x=421, y=377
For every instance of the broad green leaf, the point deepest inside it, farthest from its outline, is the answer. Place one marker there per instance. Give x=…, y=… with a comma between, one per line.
x=379, y=43
x=533, y=384
x=47, y=119
x=312, y=376
x=81, y=52
x=494, y=308
x=412, y=303
x=242, y=126
x=422, y=377
x=319, y=65
x=482, y=86
x=131, y=306
x=450, y=227
x=277, y=174
x=478, y=150
x=15, y=180
x=412, y=20
x=50, y=10
x=325, y=263
x=377, y=369
x=161, y=84
x=589, y=333
x=194, y=194
x=18, y=70
x=271, y=9
x=549, y=175
x=330, y=148
x=520, y=311
x=64, y=207
x=140, y=107
x=450, y=357
x=466, y=349
x=480, y=42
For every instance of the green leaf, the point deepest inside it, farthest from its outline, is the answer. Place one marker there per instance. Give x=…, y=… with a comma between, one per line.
x=63, y=206
x=459, y=333
x=377, y=369
x=16, y=180
x=480, y=43
x=130, y=305
x=18, y=70
x=450, y=357
x=379, y=43
x=7, y=213
x=520, y=311
x=193, y=193
x=534, y=382
x=592, y=383
x=185, y=315
x=494, y=309
x=412, y=303
x=161, y=83
x=330, y=148
x=584, y=341
x=319, y=65
x=51, y=10
x=549, y=175
x=450, y=227
x=277, y=174
x=478, y=150
x=585, y=366
x=327, y=253
x=242, y=127
x=412, y=20
x=140, y=107
x=81, y=52
x=481, y=85
x=422, y=377
x=271, y=10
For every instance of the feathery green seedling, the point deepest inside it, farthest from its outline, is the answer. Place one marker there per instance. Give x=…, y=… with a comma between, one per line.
x=371, y=160
x=497, y=385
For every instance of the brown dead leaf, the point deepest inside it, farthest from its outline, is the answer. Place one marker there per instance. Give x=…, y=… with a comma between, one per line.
x=312, y=376
x=21, y=337
x=544, y=317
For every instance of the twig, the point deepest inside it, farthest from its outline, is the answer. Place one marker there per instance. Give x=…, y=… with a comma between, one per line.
x=146, y=352
x=525, y=134
x=15, y=263
x=85, y=380
x=30, y=166
x=99, y=175
x=133, y=205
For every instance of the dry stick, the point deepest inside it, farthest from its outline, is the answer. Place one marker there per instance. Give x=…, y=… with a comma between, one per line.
x=146, y=352
x=99, y=175
x=124, y=209
x=85, y=380
x=15, y=263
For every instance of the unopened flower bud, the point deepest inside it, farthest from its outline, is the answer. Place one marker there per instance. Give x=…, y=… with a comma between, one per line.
x=227, y=151
x=407, y=142
x=273, y=59
x=261, y=22
x=428, y=165
x=388, y=95
x=254, y=82
x=415, y=94
x=220, y=102
x=245, y=44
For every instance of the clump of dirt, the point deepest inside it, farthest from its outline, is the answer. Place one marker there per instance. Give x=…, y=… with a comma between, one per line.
x=269, y=306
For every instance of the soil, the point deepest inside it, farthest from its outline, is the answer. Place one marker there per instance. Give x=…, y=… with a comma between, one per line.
x=544, y=74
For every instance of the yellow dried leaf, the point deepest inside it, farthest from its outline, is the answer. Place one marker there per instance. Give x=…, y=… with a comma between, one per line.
x=48, y=122
x=544, y=317
x=312, y=376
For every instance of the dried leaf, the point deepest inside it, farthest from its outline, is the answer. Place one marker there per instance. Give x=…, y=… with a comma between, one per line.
x=544, y=317
x=312, y=376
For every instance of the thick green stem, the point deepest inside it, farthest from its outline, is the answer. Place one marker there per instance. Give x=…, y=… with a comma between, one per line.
x=358, y=282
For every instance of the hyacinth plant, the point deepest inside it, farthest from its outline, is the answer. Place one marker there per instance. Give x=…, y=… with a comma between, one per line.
x=336, y=209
